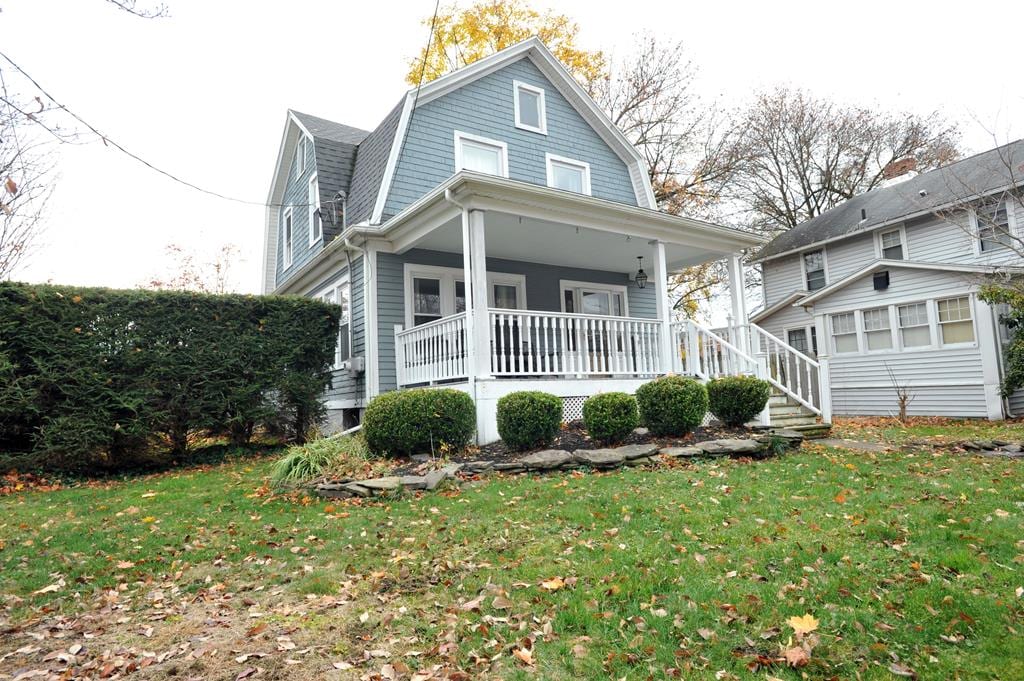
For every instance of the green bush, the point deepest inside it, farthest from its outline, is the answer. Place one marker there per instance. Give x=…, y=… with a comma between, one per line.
x=418, y=421
x=610, y=417
x=303, y=463
x=735, y=400
x=529, y=419
x=100, y=377
x=672, y=405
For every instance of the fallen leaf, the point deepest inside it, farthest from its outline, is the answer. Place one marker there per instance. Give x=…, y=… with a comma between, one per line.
x=902, y=670
x=804, y=624
x=501, y=603
x=797, y=656
x=553, y=584
x=524, y=656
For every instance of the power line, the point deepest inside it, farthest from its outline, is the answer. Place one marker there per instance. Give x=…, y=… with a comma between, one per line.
x=419, y=81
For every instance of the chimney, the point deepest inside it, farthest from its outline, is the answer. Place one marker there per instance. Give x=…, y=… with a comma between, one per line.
x=899, y=170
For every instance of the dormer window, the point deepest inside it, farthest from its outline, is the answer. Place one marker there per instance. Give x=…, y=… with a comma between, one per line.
x=480, y=154
x=316, y=225
x=300, y=154
x=529, y=106
x=814, y=270
x=568, y=174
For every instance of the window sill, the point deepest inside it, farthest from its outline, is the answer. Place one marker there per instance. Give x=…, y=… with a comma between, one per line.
x=530, y=128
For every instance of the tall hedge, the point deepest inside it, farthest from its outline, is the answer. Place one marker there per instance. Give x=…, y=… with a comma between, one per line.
x=92, y=376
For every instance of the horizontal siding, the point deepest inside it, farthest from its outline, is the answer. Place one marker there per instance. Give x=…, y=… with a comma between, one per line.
x=904, y=285
x=958, y=403
x=485, y=108
x=934, y=239
x=542, y=293
x=843, y=258
x=296, y=195
x=1016, y=401
x=786, y=318
x=781, y=278
x=343, y=385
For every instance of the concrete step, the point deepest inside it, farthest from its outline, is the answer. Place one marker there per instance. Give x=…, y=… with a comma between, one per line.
x=787, y=410
x=794, y=420
x=778, y=399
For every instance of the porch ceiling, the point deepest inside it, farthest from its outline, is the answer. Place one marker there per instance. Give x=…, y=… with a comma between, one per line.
x=548, y=242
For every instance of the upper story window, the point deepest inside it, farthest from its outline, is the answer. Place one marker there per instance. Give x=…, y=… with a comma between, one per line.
x=992, y=222
x=568, y=174
x=890, y=244
x=955, y=322
x=316, y=225
x=814, y=269
x=480, y=154
x=286, y=237
x=529, y=107
x=300, y=154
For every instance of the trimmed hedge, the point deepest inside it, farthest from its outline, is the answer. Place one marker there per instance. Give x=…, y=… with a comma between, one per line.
x=419, y=420
x=93, y=377
x=529, y=418
x=672, y=405
x=736, y=400
x=610, y=417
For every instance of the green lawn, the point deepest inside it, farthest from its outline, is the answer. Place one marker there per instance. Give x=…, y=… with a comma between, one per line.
x=908, y=561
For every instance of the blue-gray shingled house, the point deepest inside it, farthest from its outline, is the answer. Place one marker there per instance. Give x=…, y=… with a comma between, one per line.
x=489, y=235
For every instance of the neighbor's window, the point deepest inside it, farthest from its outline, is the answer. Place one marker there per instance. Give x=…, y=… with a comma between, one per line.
x=892, y=245
x=529, y=108
x=341, y=295
x=993, y=225
x=798, y=339
x=877, y=330
x=814, y=270
x=567, y=174
x=844, y=332
x=316, y=225
x=914, y=329
x=286, y=237
x=481, y=155
x=955, y=322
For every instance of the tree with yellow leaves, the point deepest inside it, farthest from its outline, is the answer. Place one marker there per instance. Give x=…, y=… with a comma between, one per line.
x=462, y=36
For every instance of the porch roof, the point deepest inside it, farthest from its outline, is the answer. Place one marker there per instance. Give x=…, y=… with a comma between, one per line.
x=545, y=219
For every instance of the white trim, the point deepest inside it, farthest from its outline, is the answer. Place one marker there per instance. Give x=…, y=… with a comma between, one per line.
x=392, y=164
x=975, y=225
x=462, y=137
x=312, y=217
x=824, y=267
x=777, y=305
x=300, y=155
x=542, y=117
x=901, y=228
x=812, y=338
x=577, y=287
x=938, y=323
x=863, y=330
x=551, y=159
x=448, y=276
x=857, y=328
x=344, y=281
x=287, y=240
x=278, y=181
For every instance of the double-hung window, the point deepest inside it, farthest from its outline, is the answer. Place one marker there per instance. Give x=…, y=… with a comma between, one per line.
x=341, y=294
x=955, y=322
x=915, y=331
x=798, y=338
x=529, y=108
x=437, y=292
x=480, y=154
x=286, y=237
x=844, y=332
x=891, y=244
x=814, y=270
x=877, y=331
x=316, y=225
x=993, y=225
x=568, y=174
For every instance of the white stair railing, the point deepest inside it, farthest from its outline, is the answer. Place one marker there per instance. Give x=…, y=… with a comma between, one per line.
x=789, y=370
x=703, y=353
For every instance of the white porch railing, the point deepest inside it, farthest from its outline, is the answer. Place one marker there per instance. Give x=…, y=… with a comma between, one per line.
x=527, y=343
x=788, y=369
x=702, y=352
x=432, y=352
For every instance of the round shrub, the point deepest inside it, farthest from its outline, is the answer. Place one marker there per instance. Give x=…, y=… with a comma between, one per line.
x=529, y=418
x=672, y=405
x=610, y=417
x=735, y=400
x=418, y=421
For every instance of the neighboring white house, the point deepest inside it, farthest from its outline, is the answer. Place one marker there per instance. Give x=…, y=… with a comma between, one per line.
x=494, y=233
x=882, y=289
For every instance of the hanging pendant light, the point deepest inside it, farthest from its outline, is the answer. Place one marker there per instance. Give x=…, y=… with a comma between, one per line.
x=641, y=276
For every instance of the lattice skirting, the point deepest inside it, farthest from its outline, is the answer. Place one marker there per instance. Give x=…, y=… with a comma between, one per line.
x=572, y=410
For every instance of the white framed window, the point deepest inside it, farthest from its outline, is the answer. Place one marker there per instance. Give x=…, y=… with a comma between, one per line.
x=287, y=232
x=583, y=297
x=432, y=293
x=892, y=244
x=992, y=222
x=804, y=339
x=877, y=329
x=844, y=333
x=568, y=174
x=956, y=324
x=340, y=293
x=915, y=330
x=529, y=107
x=301, y=149
x=316, y=225
x=815, y=276
x=480, y=154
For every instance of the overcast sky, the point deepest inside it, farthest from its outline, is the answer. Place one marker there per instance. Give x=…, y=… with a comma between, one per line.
x=203, y=94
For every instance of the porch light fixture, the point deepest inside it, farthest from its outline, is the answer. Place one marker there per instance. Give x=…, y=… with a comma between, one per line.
x=641, y=276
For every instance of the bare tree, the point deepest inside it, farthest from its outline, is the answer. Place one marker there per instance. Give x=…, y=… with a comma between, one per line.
x=132, y=7
x=802, y=155
x=904, y=396
x=189, y=273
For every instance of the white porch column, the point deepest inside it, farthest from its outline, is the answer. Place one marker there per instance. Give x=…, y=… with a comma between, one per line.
x=467, y=267
x=664, y=307
x=988, y=343
x=739, y=301
x=824, y=375
x=477, y=293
